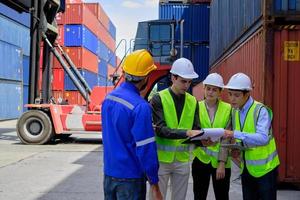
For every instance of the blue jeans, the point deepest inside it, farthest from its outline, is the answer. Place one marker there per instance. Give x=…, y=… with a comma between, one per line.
x=124, y=189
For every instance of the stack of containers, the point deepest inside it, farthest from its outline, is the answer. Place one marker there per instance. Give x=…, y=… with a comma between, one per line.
x=14, y=61
x=196, y=33
x=88, y=36
x=262, y=39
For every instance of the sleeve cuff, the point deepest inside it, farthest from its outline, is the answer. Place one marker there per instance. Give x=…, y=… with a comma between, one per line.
x=153, y=180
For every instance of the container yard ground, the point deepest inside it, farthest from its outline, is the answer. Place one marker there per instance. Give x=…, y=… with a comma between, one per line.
x=67, y=170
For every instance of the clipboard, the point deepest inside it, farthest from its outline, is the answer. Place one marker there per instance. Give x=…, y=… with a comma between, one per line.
x=194, y=140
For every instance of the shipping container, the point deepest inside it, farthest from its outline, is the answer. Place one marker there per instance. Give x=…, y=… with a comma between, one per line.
x=112, y=59
x=272, y=59
x=90, y=77
x=15, y=33
x=104, y=81
x=198, y=91
x=22, y=18
x=102, y=51
x=25, y=70
x=99, y=12
x=287, y=7
x=81, y=57
x=102, y=68
x=196, y=20
x=184, y=1
x=58, y=79
x=11, y=101
x=10, y=61
x=74, y=97
x=80, y=36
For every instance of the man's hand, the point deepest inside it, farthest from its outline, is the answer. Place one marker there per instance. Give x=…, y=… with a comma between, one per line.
x=220, y=172
x=208, y=142
x=192, y=133
x=156, y=194
x=228, y=134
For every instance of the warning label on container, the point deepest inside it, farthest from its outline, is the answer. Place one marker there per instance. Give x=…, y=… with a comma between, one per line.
x=291, y=51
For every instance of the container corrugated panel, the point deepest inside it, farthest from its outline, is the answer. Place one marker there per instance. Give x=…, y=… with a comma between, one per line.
x=25, y=70
x=90, y=77
x=79, y=35
x=286, y=107
x=11, y=100
x=102, y=51
x=15, y=33
x=196, y=20
x=25, y=97
x=287, y=6
x=109, y=41
x=229, y=20
x=200, y=58
x=198, y=91
x=112, y=58
x=112, y=30
x=58, y=79
x=83, y=58
x=22, y=18
x=10, y=62
x=103, y=67
x=103, y=81
x=110, y=71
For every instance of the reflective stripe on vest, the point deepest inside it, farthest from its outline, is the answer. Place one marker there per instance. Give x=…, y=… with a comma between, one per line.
x=170, y=150
x=222, y=116
x=261, y=159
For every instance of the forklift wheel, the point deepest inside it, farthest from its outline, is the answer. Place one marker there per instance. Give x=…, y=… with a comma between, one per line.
x=34, y=127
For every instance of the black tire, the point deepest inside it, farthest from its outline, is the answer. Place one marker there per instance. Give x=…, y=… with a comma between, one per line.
x=35, y=127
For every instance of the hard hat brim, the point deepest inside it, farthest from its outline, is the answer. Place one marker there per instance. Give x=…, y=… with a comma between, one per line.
x=236, y=88
x=190, y=76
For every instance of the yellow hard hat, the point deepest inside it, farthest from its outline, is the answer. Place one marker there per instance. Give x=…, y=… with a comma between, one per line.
x=139, y=63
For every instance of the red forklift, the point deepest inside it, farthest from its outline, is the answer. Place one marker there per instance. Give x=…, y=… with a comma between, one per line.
x=47, y=119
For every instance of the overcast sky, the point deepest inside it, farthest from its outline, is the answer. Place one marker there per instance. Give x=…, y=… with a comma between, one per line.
x=126, y=15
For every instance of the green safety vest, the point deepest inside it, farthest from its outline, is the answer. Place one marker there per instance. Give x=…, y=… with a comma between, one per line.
x=170, y=150
x=222, y=116
x=261, y=159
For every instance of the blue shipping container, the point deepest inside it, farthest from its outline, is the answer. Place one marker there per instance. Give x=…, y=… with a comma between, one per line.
x=78, y=36
x=102, y=51
x=229, y=20
x=196, y=20
x=10, y=62
x=112, y=59
x=287, y=6
x=102, y=68
x=112, y=30
x=103, y=81
x=10, y=100
x=90, y=77
x=26, y=70
x=15, y=33
x=25, y=96
x=22, y=18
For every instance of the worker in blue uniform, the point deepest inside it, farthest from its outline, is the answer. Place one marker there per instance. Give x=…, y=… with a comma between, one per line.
x=130, y=154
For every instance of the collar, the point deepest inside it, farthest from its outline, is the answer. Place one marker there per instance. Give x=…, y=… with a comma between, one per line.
x=130, y=86
x=247, y=105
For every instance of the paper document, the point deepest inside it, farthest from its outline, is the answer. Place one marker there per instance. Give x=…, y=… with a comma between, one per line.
x=214, y=134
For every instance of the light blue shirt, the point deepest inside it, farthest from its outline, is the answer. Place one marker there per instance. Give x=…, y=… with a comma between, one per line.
x=261, y=137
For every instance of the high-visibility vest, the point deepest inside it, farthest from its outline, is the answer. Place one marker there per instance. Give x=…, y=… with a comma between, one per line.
x=170, y=150
x=222, y=116
x=261, y=159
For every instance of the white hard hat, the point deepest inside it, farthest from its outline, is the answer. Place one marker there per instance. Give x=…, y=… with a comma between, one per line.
x=214, y=79
x=184, y=68
x=239, y=81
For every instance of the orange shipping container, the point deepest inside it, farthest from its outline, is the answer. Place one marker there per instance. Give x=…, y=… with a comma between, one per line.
x=272, y=59
x=82, y=59
x=99, y=12
x=60, y=38
x=58, y=79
